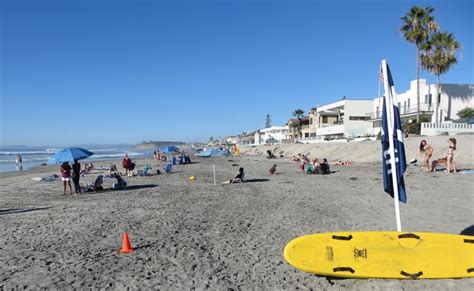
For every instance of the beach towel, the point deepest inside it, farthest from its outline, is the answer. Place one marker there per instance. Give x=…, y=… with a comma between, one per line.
x=467, y=172
x=46, y=179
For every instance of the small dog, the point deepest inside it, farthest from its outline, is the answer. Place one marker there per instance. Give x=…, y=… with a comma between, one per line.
x=442, y=161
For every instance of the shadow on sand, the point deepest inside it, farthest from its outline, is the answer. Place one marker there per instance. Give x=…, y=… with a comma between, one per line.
x=135, y=187
x=20, y=210
x=256, y=180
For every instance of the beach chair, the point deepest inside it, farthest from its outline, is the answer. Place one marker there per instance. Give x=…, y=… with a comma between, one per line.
x=169, y=168
x=96, y=186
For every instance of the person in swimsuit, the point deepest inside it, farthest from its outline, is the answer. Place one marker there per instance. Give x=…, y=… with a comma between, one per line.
x=427, y=151
x=66, y=176
x=450, y=159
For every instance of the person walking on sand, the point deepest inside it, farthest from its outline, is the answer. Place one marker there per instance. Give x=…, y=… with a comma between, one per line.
x=427, y=151
x=76, y=175
x=19, y=162
x=450, y=159
x=66, y=176
x=126, y=162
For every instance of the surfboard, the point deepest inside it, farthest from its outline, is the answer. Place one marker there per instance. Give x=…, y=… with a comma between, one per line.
x=383, y=254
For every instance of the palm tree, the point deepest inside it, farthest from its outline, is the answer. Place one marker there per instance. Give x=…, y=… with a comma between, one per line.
x=417, y=26
x=437, y=56
x=298, y=113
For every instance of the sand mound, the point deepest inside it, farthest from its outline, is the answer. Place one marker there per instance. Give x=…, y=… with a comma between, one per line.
x=370, y=151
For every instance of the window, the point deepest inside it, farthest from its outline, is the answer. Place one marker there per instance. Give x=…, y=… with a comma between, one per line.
x=404, y=107
x=359, y=117
x=408, y=104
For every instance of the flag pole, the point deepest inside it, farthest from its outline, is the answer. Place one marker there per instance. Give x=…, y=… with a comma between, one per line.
x=390, y=125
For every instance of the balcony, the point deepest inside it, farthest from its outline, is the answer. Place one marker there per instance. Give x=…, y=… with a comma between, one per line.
x=424, y=108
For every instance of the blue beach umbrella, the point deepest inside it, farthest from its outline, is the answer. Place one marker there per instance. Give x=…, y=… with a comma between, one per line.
x=171, y=149
x=69, y=155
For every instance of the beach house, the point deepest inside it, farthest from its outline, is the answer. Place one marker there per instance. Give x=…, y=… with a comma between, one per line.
x=438, y=112
x=346, y=118
x=246, y=138
x=271, y=135
x=298, y=128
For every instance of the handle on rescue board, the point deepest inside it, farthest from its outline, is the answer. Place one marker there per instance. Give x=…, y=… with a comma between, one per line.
x=409, y=235
x=343, y=269
x=410, y=275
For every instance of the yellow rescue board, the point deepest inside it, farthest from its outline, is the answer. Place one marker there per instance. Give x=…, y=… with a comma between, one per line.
x=383, y=254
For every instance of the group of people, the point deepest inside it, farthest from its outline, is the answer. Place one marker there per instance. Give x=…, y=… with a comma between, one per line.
x=427, y=151
x=307, y=166
x=69, y=173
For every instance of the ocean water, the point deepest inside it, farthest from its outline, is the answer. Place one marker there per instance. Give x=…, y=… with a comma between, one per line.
x=33, y=157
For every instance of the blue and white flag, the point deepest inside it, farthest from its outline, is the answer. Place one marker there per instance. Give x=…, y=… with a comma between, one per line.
x=391, y=119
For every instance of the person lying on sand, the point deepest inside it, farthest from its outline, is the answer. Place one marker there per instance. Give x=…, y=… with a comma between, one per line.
x=343, y=163
x=239, y=178
x=295, y=158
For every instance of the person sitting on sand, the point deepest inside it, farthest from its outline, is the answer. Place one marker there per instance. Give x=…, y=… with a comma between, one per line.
x=66, y=176
x=98, y=183
x=302, y=166
x=427, y=151
x=322, y=168
x=310, y=169
x=270, y=155
x=121, y=183
x=239, y=178
x=273, y=170
x=113, y=170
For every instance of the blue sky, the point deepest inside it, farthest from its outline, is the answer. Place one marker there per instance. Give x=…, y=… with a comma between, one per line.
x=125, y=71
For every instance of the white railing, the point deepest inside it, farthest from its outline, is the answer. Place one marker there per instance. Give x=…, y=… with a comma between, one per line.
x=404, y=110
x=321, y=125
x=431, y=129
x=335, y=129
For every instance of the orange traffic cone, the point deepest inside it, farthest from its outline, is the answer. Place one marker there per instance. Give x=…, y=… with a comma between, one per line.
x=126, y=248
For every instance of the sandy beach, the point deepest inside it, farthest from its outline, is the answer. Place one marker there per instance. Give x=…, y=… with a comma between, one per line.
x=193, y=234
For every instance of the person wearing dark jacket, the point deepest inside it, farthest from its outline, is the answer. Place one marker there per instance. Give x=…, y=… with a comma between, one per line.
x=76, y=175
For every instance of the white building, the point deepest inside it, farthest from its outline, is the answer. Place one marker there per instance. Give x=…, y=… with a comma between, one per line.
x=274, y=134
x=347, y=118
x=453, y=98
